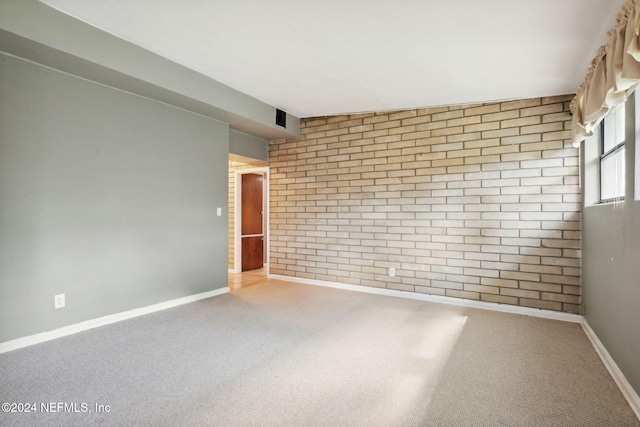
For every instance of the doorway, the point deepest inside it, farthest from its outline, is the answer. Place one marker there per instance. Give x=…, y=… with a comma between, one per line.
x=251, y=236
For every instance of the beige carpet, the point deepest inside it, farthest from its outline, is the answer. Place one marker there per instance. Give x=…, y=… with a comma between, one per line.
x=282, y=354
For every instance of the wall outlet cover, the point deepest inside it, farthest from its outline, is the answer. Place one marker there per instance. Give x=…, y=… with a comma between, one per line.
x=59, y=301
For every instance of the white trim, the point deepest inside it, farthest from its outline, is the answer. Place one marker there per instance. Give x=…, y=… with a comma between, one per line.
x=105, y=320
x=237, y=250
x=237, y=234
x=527, y=311
x=617, y=375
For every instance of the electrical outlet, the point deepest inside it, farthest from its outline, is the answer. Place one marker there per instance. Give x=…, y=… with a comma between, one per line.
x=392, y=272
x=58, y=301
x=219, y=211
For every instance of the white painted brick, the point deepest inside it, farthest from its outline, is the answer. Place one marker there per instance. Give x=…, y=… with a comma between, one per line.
x=547, y=163
x=494, y=232
x=466, y=209
x=521, y=173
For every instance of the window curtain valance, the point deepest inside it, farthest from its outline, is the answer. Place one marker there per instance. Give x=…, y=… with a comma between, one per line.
x=614, y=74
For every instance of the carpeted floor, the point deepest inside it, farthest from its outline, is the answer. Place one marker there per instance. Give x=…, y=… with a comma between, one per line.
x=283, y=354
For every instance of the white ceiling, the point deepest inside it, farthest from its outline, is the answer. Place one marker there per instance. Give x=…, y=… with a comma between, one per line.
x=327, y=57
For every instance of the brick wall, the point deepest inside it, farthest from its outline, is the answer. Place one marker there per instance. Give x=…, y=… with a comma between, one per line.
x=479, y=202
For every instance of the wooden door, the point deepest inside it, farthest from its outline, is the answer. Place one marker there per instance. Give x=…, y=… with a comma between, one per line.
x=252, y=221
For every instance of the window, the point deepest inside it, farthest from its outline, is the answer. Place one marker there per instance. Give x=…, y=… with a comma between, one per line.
x=612, y=157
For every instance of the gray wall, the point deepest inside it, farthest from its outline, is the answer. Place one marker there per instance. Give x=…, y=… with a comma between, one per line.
x=611, y=266
x=250, y=146
x=33, y=30
x=105, y=196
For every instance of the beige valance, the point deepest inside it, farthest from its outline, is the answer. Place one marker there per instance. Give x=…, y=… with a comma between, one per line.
x=613, y=76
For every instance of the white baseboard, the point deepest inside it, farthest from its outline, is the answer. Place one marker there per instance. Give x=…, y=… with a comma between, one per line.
x=624, y=386
x=105, y=320
x=527, y=311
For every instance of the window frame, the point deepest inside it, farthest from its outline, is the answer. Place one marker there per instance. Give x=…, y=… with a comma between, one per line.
x=610, y=153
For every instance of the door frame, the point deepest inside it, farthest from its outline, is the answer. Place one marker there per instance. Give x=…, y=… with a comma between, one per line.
x=237, y=218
